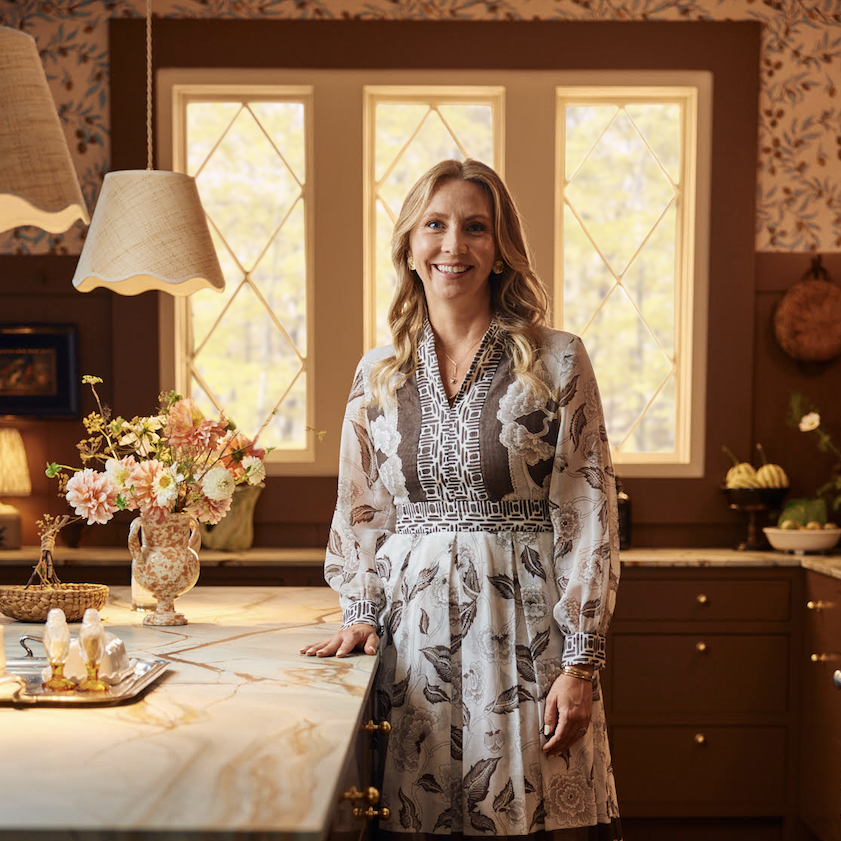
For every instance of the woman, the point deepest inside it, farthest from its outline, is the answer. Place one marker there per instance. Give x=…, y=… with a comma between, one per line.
x=476, y=530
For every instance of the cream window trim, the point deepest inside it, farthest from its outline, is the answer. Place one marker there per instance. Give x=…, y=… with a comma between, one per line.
x=693, y=90
x=175, y=93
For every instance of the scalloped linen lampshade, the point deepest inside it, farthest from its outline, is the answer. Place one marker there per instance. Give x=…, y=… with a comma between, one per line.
x=38, y=184
x=149, y=231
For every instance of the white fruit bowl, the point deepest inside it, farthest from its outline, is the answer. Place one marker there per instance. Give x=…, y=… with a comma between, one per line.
x=801, y=541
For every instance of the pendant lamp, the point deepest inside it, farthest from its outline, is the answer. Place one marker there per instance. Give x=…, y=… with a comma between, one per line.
x=149, y=230
x=38, y=183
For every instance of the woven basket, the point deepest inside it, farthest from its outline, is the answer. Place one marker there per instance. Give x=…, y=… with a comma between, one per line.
x=32, y=604
x=807, y=321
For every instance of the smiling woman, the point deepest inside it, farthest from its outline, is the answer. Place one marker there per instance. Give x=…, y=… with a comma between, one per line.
x=475, y=538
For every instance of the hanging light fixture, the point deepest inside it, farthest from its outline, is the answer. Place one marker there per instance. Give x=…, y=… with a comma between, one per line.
x=149, y=230
x=38, y=183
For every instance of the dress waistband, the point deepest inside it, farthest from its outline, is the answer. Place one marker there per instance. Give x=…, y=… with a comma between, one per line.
x=473, y=515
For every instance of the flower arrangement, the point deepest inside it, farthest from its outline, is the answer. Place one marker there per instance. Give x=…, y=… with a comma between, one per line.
x=173, y=461
x=807, y=418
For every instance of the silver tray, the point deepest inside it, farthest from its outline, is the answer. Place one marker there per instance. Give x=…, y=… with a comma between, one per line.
x=29, y=670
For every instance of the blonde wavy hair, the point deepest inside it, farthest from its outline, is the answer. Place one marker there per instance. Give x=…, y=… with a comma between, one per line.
x=518, y=298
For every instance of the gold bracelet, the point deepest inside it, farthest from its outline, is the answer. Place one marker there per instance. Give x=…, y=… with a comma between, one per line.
x=581, y=674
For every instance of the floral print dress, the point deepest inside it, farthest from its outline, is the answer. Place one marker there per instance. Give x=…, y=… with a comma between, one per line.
x=480, y=537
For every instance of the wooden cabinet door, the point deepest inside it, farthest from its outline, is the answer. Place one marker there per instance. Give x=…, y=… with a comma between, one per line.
x=820, y=725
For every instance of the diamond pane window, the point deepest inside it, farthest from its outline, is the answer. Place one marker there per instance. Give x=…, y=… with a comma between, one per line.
x=246, y=352
x=626, y=159
x=411, y=129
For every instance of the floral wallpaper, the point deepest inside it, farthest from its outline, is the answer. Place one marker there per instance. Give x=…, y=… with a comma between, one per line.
x=799, y=173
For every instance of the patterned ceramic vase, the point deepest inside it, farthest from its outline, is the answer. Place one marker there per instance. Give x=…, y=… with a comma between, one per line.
x=166, y=562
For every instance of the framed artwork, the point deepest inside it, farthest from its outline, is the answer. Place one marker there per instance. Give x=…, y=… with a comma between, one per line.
x=39, y=370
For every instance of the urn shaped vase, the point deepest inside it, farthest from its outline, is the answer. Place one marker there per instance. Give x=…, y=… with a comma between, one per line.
x=165, y=562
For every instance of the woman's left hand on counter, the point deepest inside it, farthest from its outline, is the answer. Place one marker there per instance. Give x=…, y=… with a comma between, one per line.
x=568, y=711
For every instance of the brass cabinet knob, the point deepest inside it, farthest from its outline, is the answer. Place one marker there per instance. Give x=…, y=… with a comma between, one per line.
x=701, y=598
x=819, y=658
x=700, y=647
x=700, y=739
x=370, y=795
x=370, y=813
x=836, y=678
x=373, y=727
x=813, y=605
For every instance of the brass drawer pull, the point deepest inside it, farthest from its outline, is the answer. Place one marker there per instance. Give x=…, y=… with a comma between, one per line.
x=819, y=658
x=811, y=605
x=836, y=678
x=370, y=813
x=701, y=598
x=373, y=727
x=700, y=647
x=700, y=739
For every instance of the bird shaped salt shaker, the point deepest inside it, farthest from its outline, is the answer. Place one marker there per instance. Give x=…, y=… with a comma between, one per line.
x=92, y=647
x=57, y=647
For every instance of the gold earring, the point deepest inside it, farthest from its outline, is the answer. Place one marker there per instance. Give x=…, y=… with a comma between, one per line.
x=410, y=263
x=497, y=267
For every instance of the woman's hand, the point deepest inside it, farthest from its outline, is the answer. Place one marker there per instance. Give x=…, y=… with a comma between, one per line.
x=361, y=636
x=569, y=708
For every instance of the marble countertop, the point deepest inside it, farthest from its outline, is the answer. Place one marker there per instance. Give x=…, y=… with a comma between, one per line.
x=660, y=557
x=242, y=735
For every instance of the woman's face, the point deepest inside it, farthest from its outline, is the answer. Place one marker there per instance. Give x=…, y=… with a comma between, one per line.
x=453, y=244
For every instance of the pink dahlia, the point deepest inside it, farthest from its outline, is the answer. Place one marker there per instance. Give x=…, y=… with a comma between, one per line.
x=144, y=482
x=236, y=449
x=92, y=495
x=187, y=428
x=209, y=511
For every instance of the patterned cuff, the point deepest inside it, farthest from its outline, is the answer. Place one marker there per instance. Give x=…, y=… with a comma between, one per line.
x=584, y=650
x=360, y=611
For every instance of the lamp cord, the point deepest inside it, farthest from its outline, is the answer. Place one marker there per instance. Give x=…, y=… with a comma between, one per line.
x=148, y=84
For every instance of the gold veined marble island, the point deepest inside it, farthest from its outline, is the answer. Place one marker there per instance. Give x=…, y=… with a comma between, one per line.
x=242, y=737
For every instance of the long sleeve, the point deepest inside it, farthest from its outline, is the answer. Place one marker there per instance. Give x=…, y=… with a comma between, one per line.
x=582, y=500
x=363, y=519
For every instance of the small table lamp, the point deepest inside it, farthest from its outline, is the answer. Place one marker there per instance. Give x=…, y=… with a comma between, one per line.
x=14, y=481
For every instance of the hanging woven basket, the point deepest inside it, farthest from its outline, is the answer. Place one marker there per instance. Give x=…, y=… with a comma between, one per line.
x=807, y=321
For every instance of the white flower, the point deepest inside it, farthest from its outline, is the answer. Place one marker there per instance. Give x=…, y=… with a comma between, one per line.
x=385, y=436
x=532, y=448
x=473, y=683
x=165, y=487
x=570, y=800
x=119, y=470
x=534, y=604
x=411, y=731
x=217, y=484
x=567, y=522
x=494, y=741
x=255, y=470
x=810, y=422
x=142, y=436
x=391, y=473
x=496, y=645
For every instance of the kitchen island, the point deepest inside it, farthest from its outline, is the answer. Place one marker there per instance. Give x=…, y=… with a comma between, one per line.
x=241, y=737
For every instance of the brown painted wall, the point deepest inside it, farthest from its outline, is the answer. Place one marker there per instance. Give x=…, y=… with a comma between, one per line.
x=749, y=378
